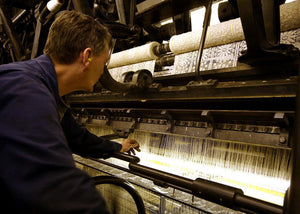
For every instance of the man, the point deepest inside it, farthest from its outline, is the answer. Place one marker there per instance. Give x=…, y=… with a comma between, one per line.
x=38, y=133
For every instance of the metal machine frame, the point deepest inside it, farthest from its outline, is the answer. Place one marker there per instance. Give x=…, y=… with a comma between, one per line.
x=270, y=90
x=276, y=96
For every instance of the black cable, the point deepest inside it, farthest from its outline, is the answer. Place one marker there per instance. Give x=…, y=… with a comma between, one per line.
x=125, y=185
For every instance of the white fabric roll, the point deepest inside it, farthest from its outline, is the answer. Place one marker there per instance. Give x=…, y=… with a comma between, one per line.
x=133, y=55
x=231, y=31
x=290, y=16
x=54, y=5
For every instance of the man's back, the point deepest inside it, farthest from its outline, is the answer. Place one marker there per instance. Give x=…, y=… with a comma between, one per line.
x=38, y=174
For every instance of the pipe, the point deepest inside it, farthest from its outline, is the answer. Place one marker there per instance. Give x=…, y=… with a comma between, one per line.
x=161, y=49
x=140, y=80
x=162, y=176
x=125, y=157
x=19, y=16
x=291, y=202
x=121, y=11
x=108, y=82
x=219, y=193
x=203, y=36
x=8, y=27
x=100, y=180
x=83, y=6
x=215, y=192
x=248, y=204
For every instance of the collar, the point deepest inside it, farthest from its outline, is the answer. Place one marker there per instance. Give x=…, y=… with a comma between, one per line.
x=49, y=74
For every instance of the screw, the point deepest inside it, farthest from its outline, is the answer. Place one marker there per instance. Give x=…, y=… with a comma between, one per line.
x=282, y=140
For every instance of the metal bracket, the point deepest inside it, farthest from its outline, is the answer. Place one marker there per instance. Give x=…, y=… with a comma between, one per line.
x=135, y=81
x=210, y=123
x=170, y=120
x=124, y=127
x=261, y=26
x=283, y=121
x=202, y=84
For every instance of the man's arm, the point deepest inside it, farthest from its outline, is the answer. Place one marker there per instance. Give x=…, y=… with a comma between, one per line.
x=37, y=167
x=84, y=143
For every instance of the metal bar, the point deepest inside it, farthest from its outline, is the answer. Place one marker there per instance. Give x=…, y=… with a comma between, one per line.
x=106, y=163
x=9, y=30
x=162, y=176
x=218, y=193
x=36, y=40
x=234, y=198
x=253, y=25
x=99, y=168
x=162, y=205
x=19, y=16
x=131, y=12
x=292, y=199
x=125, y=185
x=282, y=89
x=82, y=6
x=154, y=11
x=137, y=174
x=271, y=17
x=128, y=158
x=121, y=11
x=108, y=82
x=249, y=204
x=203, y=36
x=122, y=156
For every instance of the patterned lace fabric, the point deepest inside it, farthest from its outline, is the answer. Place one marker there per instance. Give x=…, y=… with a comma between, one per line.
x=224, y=56
x=224, y=44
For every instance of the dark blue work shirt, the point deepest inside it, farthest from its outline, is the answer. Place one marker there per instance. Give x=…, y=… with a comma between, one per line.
x=37, y=170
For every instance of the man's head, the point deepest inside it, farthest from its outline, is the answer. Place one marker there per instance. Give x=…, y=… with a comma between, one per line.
x=71, y=33
x=79, y=47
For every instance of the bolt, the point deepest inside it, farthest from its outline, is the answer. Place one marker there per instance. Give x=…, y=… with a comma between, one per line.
x=282, y=140
x=207, y=132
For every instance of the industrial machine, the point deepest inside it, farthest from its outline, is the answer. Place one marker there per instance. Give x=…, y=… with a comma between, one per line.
x=215, y=110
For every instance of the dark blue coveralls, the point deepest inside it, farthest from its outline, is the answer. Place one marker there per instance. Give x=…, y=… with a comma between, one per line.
x=37, y=170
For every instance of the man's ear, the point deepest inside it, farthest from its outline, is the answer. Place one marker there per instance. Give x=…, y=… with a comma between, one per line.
x=87, y=56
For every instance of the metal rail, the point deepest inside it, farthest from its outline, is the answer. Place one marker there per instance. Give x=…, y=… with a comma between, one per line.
x=292, y=199
x=99, y=180
x=224, y=195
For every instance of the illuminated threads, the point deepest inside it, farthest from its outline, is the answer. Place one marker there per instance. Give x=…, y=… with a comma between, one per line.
x=217, y=160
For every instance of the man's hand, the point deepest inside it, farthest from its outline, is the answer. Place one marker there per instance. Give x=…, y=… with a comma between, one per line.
x=129, y=145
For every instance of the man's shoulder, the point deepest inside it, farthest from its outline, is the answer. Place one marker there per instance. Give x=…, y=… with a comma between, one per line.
x=16, y=69
x=28, y=73
x=36, y=76
x=15, y=75
x=32, y=67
